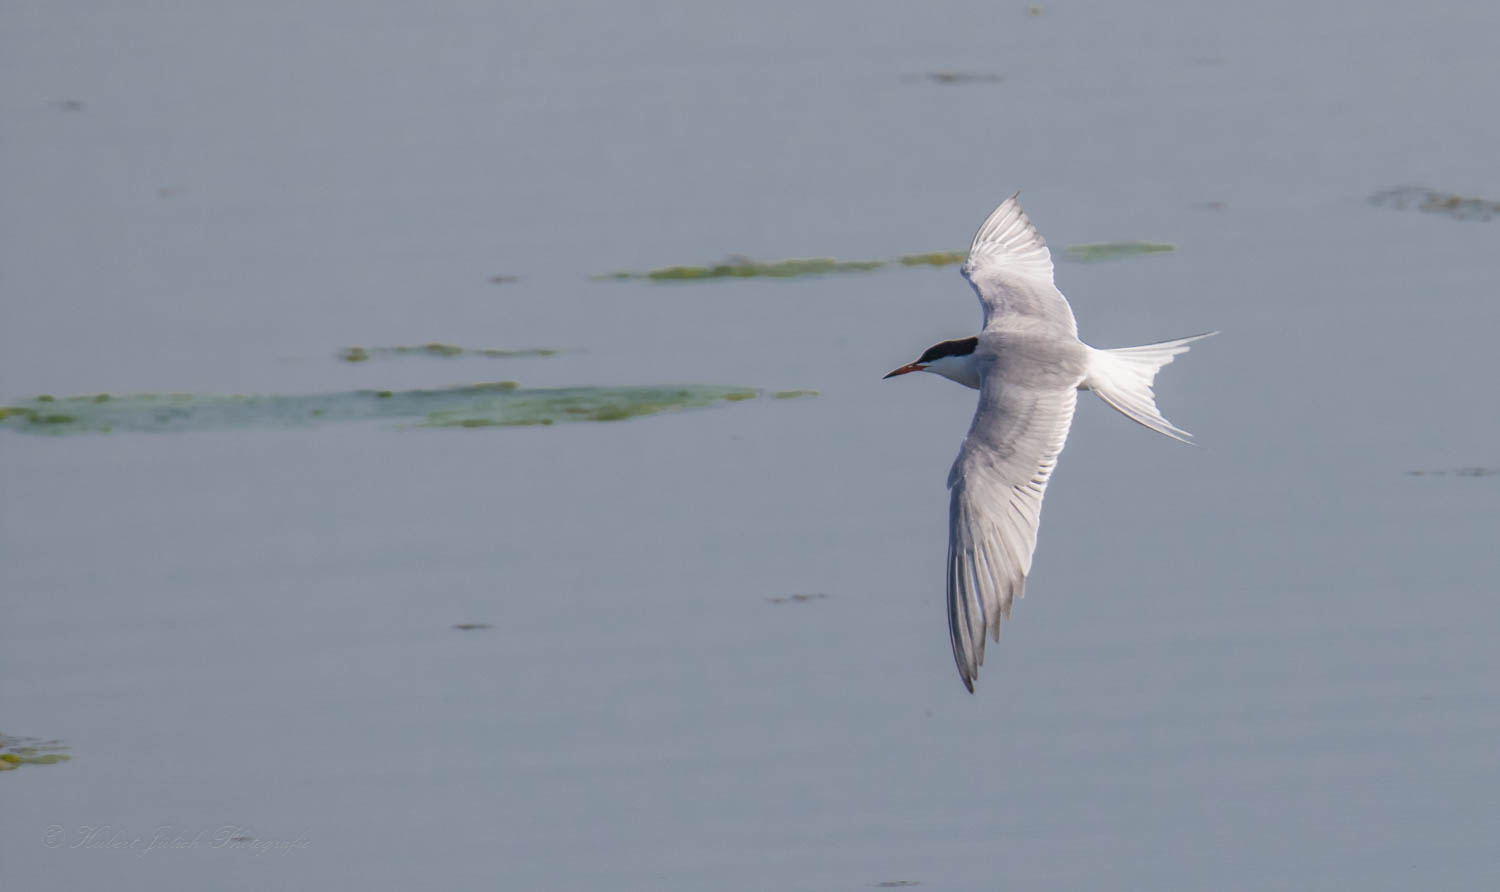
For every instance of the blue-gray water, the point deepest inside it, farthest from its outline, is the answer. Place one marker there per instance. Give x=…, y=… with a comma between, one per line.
x=1266, y=662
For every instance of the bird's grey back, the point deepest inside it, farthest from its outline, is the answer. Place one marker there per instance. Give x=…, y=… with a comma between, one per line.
x=1020, y=370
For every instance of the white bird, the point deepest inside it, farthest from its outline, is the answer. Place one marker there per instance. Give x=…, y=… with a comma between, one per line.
x=1028, y=365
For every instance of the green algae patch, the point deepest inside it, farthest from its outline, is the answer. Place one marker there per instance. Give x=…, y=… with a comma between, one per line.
x=441, y=351
x=489, y=404
x=18, y=751
x=1433, y=201
x=793, y=394
x=744, y=268
x=520, y=408
x=934, y=258
x=1100, y=251
x=18, y=415
x=741, y=268
x=494, y=353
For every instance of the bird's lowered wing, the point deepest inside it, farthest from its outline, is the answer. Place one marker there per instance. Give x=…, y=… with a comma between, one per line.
x=1011, y=271
x=996, y=486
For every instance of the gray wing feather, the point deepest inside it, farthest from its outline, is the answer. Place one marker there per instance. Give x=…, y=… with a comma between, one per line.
x=997, y=484
x=1011, y=271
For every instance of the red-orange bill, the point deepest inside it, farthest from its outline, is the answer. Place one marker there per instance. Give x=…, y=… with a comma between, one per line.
x=909, y=367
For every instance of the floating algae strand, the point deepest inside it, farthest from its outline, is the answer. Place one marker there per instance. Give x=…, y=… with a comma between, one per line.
x=798, y=598
x=741, y=268
x=509, y=354
x=744, y=268
x=550, y=406
x=445, y=351
x=497, y=404
x=1459, y=207
x=1097, y=251
x=18, y=751
x=934, y=258
x=1088, y=253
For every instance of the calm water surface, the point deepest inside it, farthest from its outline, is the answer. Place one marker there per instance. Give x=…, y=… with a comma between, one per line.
x=1266, y=662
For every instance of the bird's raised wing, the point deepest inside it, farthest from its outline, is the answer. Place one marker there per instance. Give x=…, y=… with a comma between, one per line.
x=1011, y=271
x=997, y=485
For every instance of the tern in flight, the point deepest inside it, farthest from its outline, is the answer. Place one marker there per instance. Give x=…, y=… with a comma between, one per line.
x=1028, y=365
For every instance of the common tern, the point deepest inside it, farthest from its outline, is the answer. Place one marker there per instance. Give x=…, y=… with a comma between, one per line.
x=1028, y=365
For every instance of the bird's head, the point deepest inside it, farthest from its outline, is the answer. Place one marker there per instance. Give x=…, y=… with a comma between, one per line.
x=954, y=360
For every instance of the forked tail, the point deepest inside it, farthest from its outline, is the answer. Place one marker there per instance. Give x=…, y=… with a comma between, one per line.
x=1122, y=377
